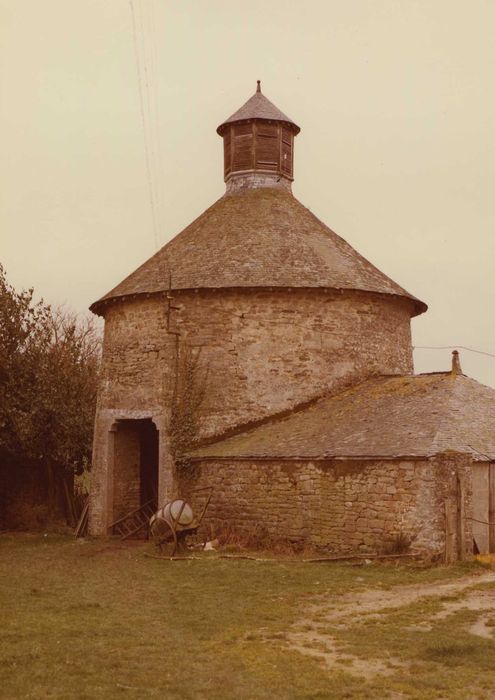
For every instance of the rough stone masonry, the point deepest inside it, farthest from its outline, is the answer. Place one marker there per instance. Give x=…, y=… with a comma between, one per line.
x=299, y=405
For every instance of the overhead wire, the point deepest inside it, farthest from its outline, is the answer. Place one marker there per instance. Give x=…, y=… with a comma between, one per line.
x=452, y=347
x=160, y=174
x=145, y=123
x=149, y=102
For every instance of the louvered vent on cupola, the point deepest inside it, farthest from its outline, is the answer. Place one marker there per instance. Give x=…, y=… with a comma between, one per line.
x=258, y=138
x=241, y=155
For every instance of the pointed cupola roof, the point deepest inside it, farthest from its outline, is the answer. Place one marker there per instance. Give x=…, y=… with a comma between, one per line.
x=258, y=107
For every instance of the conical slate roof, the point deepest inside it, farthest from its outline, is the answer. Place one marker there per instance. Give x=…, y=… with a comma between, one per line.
x=258, y=107
x=257, y=238
x=384, y=417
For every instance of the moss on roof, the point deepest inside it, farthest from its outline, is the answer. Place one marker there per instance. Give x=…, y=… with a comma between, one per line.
x=253, y=239
x=406, y=416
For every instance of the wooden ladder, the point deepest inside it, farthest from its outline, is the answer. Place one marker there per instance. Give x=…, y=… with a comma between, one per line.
x=134, y=522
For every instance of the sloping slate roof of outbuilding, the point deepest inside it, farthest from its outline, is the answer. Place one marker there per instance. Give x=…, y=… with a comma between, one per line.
x=257, y=238
x=384, y=417
x=258, y=107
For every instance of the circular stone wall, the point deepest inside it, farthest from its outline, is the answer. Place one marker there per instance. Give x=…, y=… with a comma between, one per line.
x=265, y=351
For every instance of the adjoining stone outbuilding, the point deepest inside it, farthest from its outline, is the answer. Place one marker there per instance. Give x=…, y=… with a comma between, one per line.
x=256, y=332
x=392, y=459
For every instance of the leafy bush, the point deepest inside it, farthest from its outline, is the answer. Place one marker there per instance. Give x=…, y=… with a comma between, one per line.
x=49, y=361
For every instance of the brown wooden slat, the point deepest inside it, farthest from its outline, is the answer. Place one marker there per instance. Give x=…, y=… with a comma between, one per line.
x=450, y=530
x=243, y=156
x=82, y=524
x=287, y=136
x=286, y=165
x=135, y=521
x=243, y=129
x=267, y=150
x=491, y=506
x=270, y=130
x=136, y=510
x=227, y=155
x=133, y=532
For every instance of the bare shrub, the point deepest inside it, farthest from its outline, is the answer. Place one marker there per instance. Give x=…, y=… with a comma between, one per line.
x=189, y=394
x=257, y=538
x=400, y=544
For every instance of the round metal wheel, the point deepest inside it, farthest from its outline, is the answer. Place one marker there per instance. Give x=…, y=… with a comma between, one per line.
x=163, y=536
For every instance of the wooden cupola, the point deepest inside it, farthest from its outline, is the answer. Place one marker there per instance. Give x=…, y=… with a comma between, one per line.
x=258, y=139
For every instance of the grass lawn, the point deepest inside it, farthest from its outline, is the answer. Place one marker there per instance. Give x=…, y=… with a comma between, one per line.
x=95, y=619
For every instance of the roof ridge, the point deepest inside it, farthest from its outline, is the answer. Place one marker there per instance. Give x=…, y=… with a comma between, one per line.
x=109, y=295
x=424, y=416
x=451, y=377
x=456, y=381
x=242, y=428
x=355, y=251
x=248, y=426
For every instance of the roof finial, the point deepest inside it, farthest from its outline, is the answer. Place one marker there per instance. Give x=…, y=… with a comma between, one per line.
x=456, y=364
x=258, y=86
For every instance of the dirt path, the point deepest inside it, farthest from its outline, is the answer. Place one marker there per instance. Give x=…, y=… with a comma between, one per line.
x=310, y=635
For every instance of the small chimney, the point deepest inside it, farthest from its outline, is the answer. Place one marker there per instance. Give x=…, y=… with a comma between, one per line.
x=456, y=364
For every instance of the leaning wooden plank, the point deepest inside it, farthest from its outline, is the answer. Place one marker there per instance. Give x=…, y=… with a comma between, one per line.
x=164, y=558
x=318, y=560
x=491, y=507
x=83, y=521
x=271, y=560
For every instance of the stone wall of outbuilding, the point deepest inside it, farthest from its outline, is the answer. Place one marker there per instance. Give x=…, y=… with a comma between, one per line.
x=338, y=506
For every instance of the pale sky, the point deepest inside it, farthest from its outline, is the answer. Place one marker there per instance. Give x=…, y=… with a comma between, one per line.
x=396, y=153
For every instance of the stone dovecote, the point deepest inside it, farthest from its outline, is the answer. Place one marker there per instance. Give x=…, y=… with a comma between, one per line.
x=294, y=337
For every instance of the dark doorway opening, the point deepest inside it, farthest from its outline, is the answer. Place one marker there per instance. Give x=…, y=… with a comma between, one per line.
x=135, y=475
x=148, y=463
